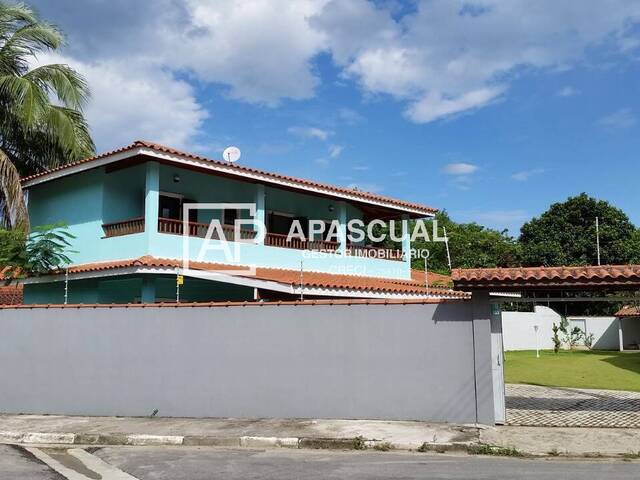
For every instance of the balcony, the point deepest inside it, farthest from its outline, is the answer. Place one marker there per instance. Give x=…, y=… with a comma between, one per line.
x=176, y=227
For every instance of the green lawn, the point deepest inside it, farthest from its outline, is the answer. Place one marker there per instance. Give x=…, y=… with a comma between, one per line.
x=579, y=369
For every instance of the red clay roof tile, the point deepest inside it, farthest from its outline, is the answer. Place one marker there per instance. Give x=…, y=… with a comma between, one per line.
x=548, y=277
x=240, y=169
x=289, y=277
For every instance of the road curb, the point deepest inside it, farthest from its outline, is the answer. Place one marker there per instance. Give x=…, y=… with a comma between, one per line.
x=99, y=439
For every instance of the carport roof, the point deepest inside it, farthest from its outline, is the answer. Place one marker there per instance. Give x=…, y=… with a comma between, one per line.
x=548, y=278
x=629, y=311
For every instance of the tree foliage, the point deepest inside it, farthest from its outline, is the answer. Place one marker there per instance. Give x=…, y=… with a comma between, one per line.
x=44, y=250
x=566, y=235
x=41, y=121
x=470, y=245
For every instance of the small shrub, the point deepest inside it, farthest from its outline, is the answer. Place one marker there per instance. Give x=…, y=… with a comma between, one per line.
x=359, y=443
x=383, y=446
x=553, y=452
x=486, y=449
x=588, y=340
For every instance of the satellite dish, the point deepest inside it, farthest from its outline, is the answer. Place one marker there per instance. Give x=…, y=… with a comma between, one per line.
x=231, y=154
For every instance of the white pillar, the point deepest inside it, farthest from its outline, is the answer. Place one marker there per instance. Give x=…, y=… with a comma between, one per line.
x=620, y=336
x=152, y=198
x=342, y=235
x=261, y=214
x=406, y=240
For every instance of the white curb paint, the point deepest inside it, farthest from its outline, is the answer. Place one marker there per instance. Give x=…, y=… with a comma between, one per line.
x=37, y=438
x=154, y=440
x=261, y=442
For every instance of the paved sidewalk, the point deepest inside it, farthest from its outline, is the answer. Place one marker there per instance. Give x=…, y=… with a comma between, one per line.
x=529, y=405
x=577, y=441
x=229, y=432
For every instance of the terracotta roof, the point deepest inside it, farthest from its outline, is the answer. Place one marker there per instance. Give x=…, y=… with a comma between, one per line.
x=435, y=279
x=629, y=311
x=242, y=169
x=10, y=294
x=283, y=276
x=622, y=276
x=280, y=303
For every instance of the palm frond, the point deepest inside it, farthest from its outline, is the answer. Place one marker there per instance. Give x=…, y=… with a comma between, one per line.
x=63, y=82
x=14, y=210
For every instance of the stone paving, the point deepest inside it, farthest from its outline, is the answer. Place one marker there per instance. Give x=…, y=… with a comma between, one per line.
x=530, y=405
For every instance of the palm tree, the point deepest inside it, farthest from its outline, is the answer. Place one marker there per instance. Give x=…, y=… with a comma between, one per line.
x=41, y=120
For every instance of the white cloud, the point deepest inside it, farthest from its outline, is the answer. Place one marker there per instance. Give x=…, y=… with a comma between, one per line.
x=335, y=150
x=524, y=175
x=448, y=57
x=460, y=168
x=322, y=161
x=441, y=59
x=349, y=116
x=619, y=120
x=137, y=101
x=261, y=49
x=361, y=168
x=567, y=92
x=310, y=132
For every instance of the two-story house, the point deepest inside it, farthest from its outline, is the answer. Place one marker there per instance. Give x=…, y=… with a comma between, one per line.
x=128, y=212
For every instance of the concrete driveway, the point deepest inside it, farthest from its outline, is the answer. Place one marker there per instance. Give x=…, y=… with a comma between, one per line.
x=531, y=405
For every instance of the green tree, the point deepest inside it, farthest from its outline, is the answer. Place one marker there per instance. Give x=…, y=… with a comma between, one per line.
x=41, y=121
x=45, y=249
x=470, y=245
x=566, y=235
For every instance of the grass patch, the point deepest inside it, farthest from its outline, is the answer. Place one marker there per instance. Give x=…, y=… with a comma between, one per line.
x=383, y=446
x=486, y=449
x=359, y=443
x=577, y=369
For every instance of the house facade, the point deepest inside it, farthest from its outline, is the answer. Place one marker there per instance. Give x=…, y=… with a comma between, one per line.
x=137, y=213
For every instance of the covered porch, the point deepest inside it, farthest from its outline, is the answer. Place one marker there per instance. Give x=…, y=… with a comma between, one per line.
x=154, y=197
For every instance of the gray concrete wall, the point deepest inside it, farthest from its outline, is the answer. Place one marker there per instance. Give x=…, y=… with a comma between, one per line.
x=329, y=361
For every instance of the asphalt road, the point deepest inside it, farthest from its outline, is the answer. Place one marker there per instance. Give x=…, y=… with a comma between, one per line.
x=193, y=463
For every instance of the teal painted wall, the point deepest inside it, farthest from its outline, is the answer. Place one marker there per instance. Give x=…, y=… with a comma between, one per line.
x=83, y=201
x=80, y=291
x=128, y=289
x=123, y=194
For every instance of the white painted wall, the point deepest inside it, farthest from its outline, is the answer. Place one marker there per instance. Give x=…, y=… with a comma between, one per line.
x=519, y=333
x=604, y=329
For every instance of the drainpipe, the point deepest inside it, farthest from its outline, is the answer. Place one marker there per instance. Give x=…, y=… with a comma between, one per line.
x=260, y=201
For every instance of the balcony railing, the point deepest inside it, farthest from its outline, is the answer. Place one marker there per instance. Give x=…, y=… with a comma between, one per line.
x=176, y=227
x=126, y=227
x=195, y=229
x=279, y=240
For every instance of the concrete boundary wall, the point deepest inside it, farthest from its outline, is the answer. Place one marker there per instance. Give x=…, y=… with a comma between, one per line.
x=413, y=361
x=519, y=332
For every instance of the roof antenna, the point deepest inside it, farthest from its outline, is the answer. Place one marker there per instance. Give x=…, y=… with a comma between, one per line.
x=301, y=281
x=598, y=239
x=446, y=243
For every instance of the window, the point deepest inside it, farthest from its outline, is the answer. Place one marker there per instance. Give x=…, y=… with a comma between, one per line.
x=230, y=215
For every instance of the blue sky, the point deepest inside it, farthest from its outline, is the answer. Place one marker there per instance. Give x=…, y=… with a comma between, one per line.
x=490, y=110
